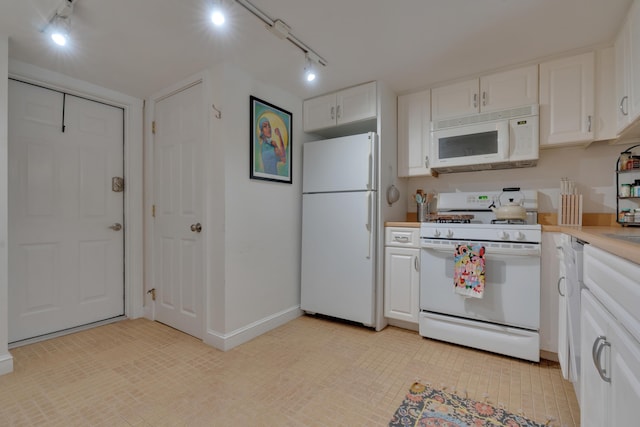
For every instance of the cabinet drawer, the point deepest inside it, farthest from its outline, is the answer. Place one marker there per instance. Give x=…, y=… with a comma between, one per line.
x=402, y=237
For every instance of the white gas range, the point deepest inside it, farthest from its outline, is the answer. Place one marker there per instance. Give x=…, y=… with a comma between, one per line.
x=506, y=319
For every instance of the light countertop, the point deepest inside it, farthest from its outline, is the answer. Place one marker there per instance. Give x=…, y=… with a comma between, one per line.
x=598, y=236
x=408, y=224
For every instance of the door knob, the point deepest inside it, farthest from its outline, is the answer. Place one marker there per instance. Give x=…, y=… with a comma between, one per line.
x=116, y=227
x=196, y=228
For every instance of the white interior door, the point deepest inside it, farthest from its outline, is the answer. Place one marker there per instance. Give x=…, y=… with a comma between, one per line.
x=180, y=129
x=66, y=265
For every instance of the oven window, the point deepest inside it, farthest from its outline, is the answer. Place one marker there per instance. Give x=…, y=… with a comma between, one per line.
x=476, y=144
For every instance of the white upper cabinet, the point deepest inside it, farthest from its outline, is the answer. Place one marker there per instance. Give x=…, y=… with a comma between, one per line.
x=605, y=126
x=509, y=89
x=350, y=105
x=627, y=70
x=458, y=99
x=567, y=88
x=414, y=119
x=493, y=92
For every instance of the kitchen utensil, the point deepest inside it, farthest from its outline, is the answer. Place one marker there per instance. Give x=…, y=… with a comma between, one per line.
x=393, y=194
x=512, y=209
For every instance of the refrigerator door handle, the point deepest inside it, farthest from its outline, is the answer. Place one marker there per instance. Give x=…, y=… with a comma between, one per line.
x=370, y=174
x=369, y=221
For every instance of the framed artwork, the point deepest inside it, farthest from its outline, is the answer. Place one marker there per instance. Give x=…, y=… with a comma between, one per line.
x=270, y=142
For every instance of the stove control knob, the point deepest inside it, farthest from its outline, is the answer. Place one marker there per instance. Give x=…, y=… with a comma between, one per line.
x=520, y=235
x=449, y=233
x=436, y=233
x=503, y=235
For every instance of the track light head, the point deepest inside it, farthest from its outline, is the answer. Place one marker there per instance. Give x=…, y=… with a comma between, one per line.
x=309, y=68
x=217, y=13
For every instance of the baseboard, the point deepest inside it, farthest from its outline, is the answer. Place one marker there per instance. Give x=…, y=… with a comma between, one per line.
x=549, y=355
x=6, y=363
x=403, y=324
x=242, y=335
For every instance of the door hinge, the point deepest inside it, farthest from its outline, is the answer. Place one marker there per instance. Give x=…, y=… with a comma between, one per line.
x=152, y=291
x=153, y=127
x=153, y=211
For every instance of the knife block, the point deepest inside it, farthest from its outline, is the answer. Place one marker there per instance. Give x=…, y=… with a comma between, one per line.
x=570, y=209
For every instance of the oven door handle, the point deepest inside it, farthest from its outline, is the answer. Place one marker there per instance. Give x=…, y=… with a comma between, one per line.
x=488, y=251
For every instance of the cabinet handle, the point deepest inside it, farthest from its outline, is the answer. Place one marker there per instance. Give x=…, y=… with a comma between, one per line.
x=338, y=111
x=622, y=102
x=333, y=113
x=402, y=239
x=484, y=98
x=559, y=291
x=416, y=264
x=596, y=352
x=426, y=162
x=475, y=100
x=589, y=123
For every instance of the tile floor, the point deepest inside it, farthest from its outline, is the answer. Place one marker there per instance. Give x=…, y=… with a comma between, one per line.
x=309, y=372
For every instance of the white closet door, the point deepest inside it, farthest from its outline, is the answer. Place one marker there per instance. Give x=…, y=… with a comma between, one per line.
x=178, y=187
x=66, y=265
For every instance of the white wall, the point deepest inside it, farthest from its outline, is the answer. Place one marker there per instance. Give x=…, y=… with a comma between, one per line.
x=592, y=168
x=6, y=361
x=257, y=287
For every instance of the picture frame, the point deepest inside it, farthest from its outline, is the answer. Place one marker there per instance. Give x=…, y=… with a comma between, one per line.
x=270, y=141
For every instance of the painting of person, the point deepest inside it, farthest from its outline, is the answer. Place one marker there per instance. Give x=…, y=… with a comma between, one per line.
x=272, y=150
x=271, y=142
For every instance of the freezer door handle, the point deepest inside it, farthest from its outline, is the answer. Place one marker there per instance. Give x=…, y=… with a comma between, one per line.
x=369, y=221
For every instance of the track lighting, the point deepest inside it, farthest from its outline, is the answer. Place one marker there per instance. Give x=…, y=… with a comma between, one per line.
x=58, y=26
x=283, y=31
x=60, y=31
x=309, y=69
x=217, y=13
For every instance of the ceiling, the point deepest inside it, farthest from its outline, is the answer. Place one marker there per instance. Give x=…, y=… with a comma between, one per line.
x=140, y=47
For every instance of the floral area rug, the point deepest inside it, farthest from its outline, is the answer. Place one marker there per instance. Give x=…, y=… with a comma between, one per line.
x=425, y=406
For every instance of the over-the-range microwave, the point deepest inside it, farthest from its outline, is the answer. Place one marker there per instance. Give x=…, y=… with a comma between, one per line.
x=495, y=140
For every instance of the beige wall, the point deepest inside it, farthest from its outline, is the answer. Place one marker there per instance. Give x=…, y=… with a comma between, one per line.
x=592, y=168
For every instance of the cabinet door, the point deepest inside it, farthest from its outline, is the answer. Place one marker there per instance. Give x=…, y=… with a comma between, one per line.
x=567, y=101
x=356, y=103
x=414, y=119
x=625, y=378
x=634, y=61
x=621, y=49
x=401, y=283
x=561, y=292
x=605, y=109
x=549, y=265
x=320, y=112
x=594, y=392
x=513, y=88
x=458, y=99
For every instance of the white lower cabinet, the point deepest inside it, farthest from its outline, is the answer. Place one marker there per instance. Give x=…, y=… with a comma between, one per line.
x=610, y=349
x=402, y=273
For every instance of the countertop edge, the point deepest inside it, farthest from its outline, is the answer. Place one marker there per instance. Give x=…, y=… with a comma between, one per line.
x=597, y=236
x=408, y=224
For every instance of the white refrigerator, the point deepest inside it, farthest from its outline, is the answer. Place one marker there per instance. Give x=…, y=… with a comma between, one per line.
x=339, y=227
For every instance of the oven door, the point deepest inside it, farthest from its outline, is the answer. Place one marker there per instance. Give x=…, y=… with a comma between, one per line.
x=512, y=284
